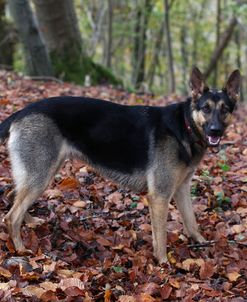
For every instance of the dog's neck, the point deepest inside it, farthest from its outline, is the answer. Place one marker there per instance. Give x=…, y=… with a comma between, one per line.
x=193, y=133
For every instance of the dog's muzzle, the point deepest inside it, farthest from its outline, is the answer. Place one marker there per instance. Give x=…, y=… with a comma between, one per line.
x=213, y=140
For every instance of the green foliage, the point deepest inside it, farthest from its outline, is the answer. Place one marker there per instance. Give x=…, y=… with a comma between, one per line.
x=224, y=167
x=19, y=64
x=193, y=190
x=205, y=173
x=223, y=161
x=133, y=205
x=117, y=269
x=222, y=200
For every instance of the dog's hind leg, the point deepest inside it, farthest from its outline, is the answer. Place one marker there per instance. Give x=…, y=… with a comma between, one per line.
x=35, y=153
x=23, y=200
x=26, y=193
x=28, y=218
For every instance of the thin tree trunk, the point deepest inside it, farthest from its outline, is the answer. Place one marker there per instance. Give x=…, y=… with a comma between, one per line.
x=196, y=19
x=156, y=52
x=97, y=28
x=109, y=34
x=140, y=38
x=217, y=40
x=169, y=49
x=238, y=58
x=36, y=57
x=184, y=56
x=226, y=37
x=136, y=43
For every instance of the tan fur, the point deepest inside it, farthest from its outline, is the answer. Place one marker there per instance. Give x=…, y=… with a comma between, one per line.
x=162, y=187
x=199, y=120
x=184, y=204
x=228, y=119
x=15, y=217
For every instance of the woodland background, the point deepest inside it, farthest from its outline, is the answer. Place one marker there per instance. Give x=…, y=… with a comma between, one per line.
x=95, y=244
x=148, y=45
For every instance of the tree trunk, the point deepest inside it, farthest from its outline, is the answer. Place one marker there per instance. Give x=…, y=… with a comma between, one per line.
x=139, y=53
x=226, y=37
x=59, y=25
x=238, y=58
x=97, y=23
x=8, y=39
x=217, y=40
x=109, y=34
x=156, y=52
x=184, y=56
x=169, y=49
x=196, y=33
x=36, y=57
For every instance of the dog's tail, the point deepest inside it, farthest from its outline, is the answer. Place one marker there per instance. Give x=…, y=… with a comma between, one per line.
x=5, y=126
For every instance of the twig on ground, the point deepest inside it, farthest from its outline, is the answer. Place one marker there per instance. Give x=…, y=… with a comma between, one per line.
x=204, y=244
x=44, y=78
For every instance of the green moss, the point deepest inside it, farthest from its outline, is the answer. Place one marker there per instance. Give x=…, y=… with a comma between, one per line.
x=72, y=66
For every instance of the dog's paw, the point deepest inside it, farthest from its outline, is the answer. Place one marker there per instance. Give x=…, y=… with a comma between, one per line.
x=163, y=260
x=199, y=238
x=23, y=251
x=32, y=222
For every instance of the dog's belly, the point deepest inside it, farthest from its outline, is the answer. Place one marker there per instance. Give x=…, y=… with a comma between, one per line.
x=136, y=182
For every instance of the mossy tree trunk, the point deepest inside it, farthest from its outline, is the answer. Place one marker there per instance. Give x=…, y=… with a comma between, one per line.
x=36, y=57
x=59, y=25
x=7, y=39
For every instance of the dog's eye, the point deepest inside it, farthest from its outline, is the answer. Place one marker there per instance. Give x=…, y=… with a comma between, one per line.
x=224, y=110
x=206, y=108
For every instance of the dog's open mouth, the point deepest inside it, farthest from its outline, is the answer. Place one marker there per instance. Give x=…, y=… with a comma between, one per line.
x=213, y=140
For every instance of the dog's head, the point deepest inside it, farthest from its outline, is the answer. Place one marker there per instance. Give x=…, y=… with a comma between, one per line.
x=212, y=109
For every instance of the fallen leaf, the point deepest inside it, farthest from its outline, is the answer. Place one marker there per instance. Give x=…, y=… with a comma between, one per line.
x=126, y=299
x=233, y=276
x=69, y=183
x=71, y=282
x=206, y=270
x=107, y=295
x=33, y=290
x=186, y=264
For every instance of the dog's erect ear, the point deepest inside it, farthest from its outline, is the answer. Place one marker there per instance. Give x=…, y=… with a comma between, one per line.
x=197, y=83
x=232, y=87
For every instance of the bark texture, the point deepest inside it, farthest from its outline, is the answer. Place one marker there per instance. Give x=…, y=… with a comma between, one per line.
x=169, y=49
x=36, y=57
x=59, y=26
x=139, y=51
x=8, y=39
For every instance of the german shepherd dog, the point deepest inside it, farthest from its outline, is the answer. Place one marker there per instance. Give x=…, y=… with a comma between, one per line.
x=143, y=148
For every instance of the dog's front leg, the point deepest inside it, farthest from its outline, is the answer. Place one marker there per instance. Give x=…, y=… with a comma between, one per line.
x=184, y=204
x=158, y=207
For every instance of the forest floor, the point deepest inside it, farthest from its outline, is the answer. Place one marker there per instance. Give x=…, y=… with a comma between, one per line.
x=95, y=244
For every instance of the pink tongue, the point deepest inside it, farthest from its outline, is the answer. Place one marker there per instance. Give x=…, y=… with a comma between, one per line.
x=214, y=139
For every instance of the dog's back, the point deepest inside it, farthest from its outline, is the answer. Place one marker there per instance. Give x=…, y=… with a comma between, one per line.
x=115, y=139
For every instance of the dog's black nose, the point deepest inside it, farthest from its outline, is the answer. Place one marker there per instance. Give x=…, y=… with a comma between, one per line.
x=215, y=129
